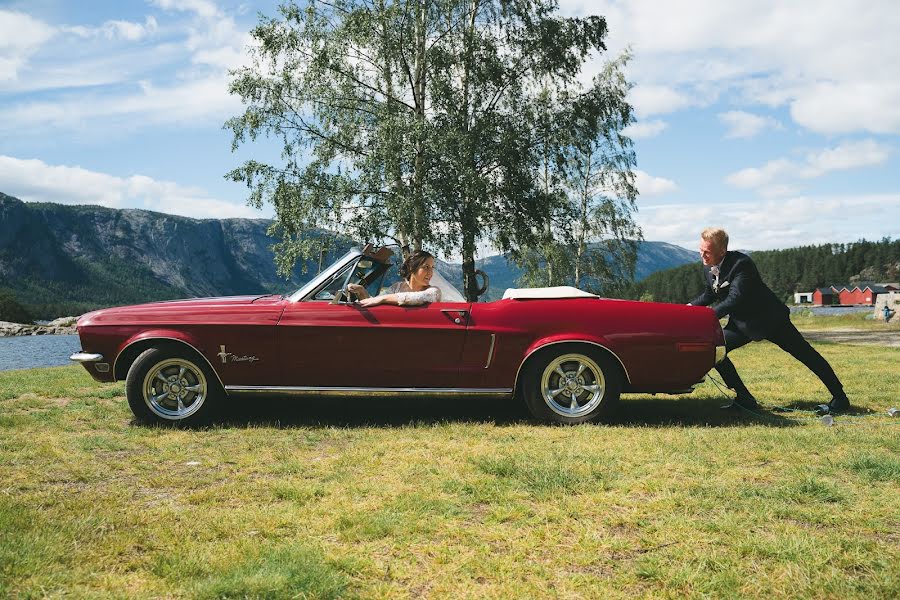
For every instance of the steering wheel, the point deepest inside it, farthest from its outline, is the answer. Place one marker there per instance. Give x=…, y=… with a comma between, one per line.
x=342, y=293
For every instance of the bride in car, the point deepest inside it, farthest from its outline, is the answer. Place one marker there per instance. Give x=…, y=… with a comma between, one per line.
x=414, y=287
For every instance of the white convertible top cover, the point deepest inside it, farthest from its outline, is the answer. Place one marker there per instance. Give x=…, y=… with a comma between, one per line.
x=560, y=291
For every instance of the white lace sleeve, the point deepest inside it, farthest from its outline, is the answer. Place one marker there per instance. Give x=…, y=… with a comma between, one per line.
x=431, y=294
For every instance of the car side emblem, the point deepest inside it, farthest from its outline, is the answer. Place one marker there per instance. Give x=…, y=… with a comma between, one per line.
x=234, y=358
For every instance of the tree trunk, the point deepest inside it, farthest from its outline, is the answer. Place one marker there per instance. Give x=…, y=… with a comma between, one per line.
x=470, y=282
x=419, y=225
x=582, y=231
x=395, y=174
x=548, y=231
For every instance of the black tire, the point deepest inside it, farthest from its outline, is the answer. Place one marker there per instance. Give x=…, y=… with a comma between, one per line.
x=191, y=396
x=587, y=390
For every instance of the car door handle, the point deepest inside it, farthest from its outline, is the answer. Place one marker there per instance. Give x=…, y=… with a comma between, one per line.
x=460, y=313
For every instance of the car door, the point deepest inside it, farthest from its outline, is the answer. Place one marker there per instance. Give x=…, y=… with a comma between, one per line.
x=385, y=346
x=325, y=343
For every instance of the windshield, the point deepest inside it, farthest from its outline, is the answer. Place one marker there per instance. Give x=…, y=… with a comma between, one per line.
x=376, y=277
x=325, y=275
x=360, y=270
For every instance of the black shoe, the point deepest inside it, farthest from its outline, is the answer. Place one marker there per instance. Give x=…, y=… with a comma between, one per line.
x=743, y=400
x=839, y=404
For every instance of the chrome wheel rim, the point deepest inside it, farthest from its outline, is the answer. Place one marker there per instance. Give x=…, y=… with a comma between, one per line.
x=573, y=385
x=175, y=389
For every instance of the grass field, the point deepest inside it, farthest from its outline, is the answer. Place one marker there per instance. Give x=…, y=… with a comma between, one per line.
x=406, y=499
x=864, y=321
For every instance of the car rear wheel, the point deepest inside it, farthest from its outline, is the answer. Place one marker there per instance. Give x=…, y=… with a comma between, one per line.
x=571, y=384
x=171, y=385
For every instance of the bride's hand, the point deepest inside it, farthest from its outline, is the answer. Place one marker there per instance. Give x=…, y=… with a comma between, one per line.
x=357, y=289
x=365, y=302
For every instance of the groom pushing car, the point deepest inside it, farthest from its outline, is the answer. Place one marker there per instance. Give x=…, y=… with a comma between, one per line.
x=754, y=313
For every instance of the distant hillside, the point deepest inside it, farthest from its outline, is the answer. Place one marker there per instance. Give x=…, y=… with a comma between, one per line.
x=60, y=259
x=69, y=259
x=787, y=271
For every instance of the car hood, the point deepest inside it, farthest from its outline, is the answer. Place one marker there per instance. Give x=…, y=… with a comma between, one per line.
x=152, y=311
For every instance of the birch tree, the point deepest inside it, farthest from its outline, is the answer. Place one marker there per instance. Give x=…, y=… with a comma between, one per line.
x=409, y=120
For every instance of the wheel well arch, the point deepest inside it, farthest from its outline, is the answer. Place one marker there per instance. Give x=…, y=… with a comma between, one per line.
x=535, y=353
x=130, y=353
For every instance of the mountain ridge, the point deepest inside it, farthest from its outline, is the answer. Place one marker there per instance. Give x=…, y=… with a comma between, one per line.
x=61, y=259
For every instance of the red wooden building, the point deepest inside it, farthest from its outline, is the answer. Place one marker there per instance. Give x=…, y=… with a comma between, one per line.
x=864, y=295
x=823, y=297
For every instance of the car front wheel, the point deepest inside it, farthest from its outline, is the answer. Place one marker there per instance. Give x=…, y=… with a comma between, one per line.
x=170, y=385
x=571, y=384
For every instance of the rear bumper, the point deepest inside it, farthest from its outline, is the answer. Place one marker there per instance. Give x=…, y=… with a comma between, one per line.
x=84, y=357
x=720, y=354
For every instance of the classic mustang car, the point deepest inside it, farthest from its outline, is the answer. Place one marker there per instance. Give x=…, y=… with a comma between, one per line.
x=566, y=353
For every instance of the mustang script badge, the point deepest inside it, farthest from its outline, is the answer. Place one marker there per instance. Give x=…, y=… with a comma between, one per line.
x=234, y=358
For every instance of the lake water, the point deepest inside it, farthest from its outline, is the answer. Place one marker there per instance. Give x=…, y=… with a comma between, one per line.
x=30, y=351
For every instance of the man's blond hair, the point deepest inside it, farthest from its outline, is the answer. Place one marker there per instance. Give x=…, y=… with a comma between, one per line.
x=716, y=236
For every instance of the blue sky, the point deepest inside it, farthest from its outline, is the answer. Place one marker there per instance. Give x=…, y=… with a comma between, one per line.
x=777, y=120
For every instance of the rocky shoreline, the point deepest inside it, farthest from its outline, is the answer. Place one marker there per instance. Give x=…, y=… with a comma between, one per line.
x=61, y=326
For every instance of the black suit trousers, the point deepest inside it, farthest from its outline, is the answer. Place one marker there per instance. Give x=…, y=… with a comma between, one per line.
x=791, y=341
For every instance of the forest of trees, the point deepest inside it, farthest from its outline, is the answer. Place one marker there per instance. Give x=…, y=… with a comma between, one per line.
x=801, y=269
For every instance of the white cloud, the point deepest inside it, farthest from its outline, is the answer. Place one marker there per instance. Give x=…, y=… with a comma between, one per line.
x=745, y=125
x=106, y=69
x=34, y=180
x=127, y=30
x=650, y=100
x=678, y=224
x=756, y=177
x=777, y=223
x=827, y=60
x=104, y=82
x=193, y=102
x=117, y=30
x=203, y=8
x=849, y=106
x=645, y=129
x=778, y=190
x=849, y=155
x=20, y=37
x=650, y=185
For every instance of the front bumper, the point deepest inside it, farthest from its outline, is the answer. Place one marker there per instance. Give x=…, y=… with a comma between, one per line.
x=94, y=363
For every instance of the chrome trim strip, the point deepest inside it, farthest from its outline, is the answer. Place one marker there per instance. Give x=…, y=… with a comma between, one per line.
x=720, y=354
x=627, y=376
x=491, y=351
x=316, y=281
x=366, y=392
x=86, y=357
x=191, y=346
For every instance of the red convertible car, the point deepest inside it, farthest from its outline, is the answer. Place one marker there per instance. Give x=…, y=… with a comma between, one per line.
x=568, y=354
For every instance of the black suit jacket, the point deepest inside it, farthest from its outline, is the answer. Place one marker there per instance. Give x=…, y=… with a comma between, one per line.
x=753, y=309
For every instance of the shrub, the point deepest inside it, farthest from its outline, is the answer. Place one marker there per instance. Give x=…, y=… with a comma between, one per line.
x=11, y=310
